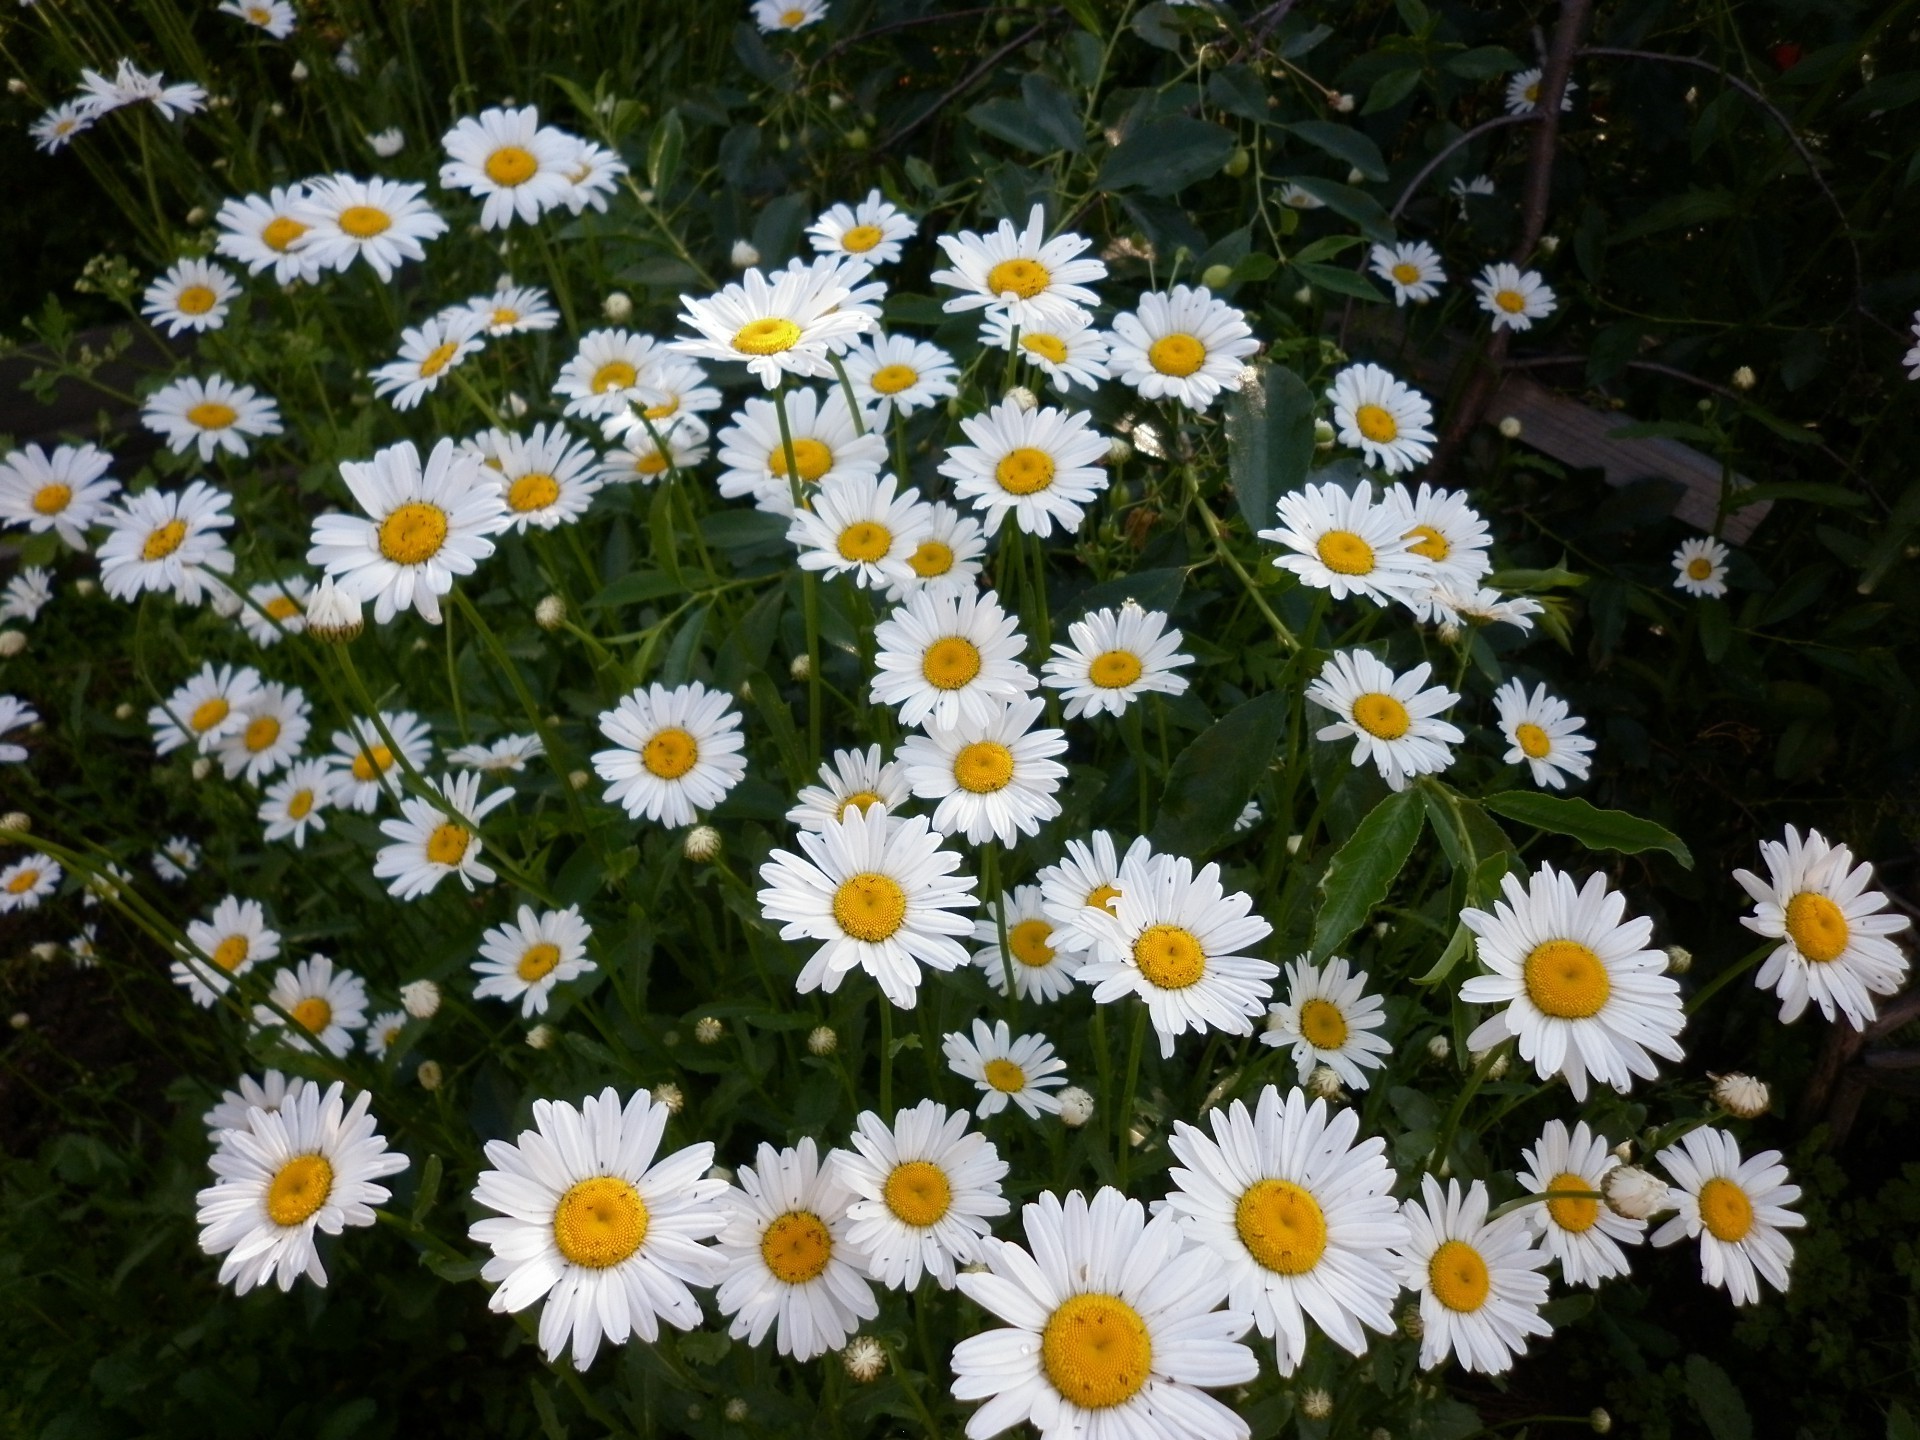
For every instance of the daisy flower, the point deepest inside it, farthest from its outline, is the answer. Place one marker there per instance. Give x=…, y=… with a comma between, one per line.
x=1041, y=970
x=1478, y=606
x=1007, y=1069
x=1068, y=347
x=789, y=1259
x=897, y=374
x=945, y=658
x=262, y=232
x=310, y=1165
x=25, y=883
x=327, y=1006
x=850, y=780
x=384, y=222
x=193, y=295
x=1300, y=1216
x=1116, y=657
x=588, y=1219
x=677, y=396
x=14, y=714
x=273, y=727
x=1912, y=358
x=1737, y=1209
x=1412, y=268
x=27, y=594
x=546, y=479
x=866, y=296
x=1042, y=466
x=229, y=943
x=57, y=126
x=65, y=492
x=510, y=162
x=1514, y=297
x=826, y=443
x=1581, y=989
x=643, y=461
x=775, y=327
x=926, y=1189
x=432, y=840
x=211, y=414
x=268, y=1093
x=594, y=173
x=1581, y=1232
x=205, y=710
x=679, y=752
x=1523, y=92
x=129, y=86
x=297, y=800
x=427, y=353
x=384, y=1032
x=992, y=778
x=1833, y=946
x=1085, y=881
x=1329, y=1019
x=1384, y=418
x=1175, y=939
x=167, y=540
x=514, y=309
x=1182, y=345
x=1113, y=1324
x=177, y=858
x=1541, y=731
x=524, y=960
x=870, y=230
x=1447, y=533
x=505, y=756
x=1479, y=1284
x=84, y=948
x=276, y=17
x=880, y=894
x=1297, y=197
x=1700, y=567
x=107, y=882
x=608, y=372
x=425, y=525
x=1390, y=719
x=361, y=758
x=1021, y=274
x=773, y=16
x=1462, y=189
x=1346, y=544
x=278, y=609
x=860, y=527
x=947, y=561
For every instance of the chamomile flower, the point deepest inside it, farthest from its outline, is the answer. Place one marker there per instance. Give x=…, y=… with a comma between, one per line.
x=1297, y=197
x=506, y=756
x=644, y=458
x=278, y=609
x=546, y=478
x=65, y=492
x=925, y=1189
x=850, y=780
x=362, y=759
x=276, y=17
x=588, y=1219
x=274, y=725
x=1181, y=345
x=1581, y=1231
x=773, y=16
x=130, y=86
x=1580, y=988
x=1523, y=92
x=1515, y=298
x=1344, y=543
x=866, y=296
x=860, y=527
x=1085, y=881
x=177, y=858
x=879, y=893
x=678, y=396
x=1541, y=731
x=84, y=949
x=594, y=173
x=25, y=883
x=310, y=1165
x=678, y=752
x=1390, y=718
x=608, y=373
x=514, y=309
x=327, y=1006
x=1736, y=1207
x=1008, y=1069
x=992, y=778
x=1384, y=418
x=1176, y=939
x=870, y=230
x=384, y=222
x=1116, y=657
x=268, y=1093
x=167, y=540
x=1299, y=1212
x=265, y=232
x=790, y=1262
x=435, y=839
x=1042, y=467
x=1479, y=1283
x=205, y=710
x=1329, y=1019
x=384, y=1032
x=1448, y=534
x=428, y=353
x=1069, y=348
x=1041, y=970
x=209, y=415
x=1412, y=268
x=1700, y=567
x=1478, y=606
x=947, y=560
x=27, y=594
x=57, y=126
x=510, y=162
x=1833, y=946
x=826, y=443
x=232, y=941
x=1021, y=274
x=14, y=714
x=524, y=960
x=193, y=295
x=297, y=800
x=944, y=658
x=897, y=374
x=425, y=525
x=783, y=325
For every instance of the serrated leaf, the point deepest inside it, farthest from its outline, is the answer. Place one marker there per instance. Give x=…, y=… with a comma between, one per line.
x=665, y=148
x=1214, y=777
x=1593, y=827
x=1718, y=1400
x=1269, y=441
x=1363, y=869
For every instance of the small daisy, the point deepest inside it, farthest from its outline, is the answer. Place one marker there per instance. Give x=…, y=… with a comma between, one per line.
x=65, y=492
x=1069, y=347
x=268, y=1093
x=1042, y=466
x=1737, y=1209
x=897, y=374
x=993, y=779
x=383, y=222
x=387, y=143
x=273, y=727
x=826, y=443
x=1462, y=189
x=1523, y=92
x=776, y=327
x=107, y=882
x=1250, y=815
x=1025, y=276
x=1700, y=567
x=27, y=594
x=177, y=858
x=1329, y=1019
x=205, y=710
x=278, y=609
x=860, y=527
x=789, y=1257
x=14, y=714
x=1389, y=717
x=193, y=295
x=1182, y=345
x=1346, y=544
x=947, y=561
x=524, y=960
x=1478, y=606
x=870, y=230
x=1384, y=418
x=1042, y=971
x=942, y=659
x=1116, y=657
x=167, y=540
x=327, y=1006
x=608, y=372
x=1834, y=947
x=506, y=756
x=546, y=478
x=264, y=232
x=679, y=752
x=276, y=17
x=58, y=125
x=25, y=883
x=211, y=414
x=926, y=1189
x=84, y=948
x=773, y=16
x=384, y=1032
x=514, y=309
x=435, y=839
x=594, y=173
x=1176, y=940
x=129, y=86
x=1582, y=1232
x=1448, y=534
x=1479, y=1284
x=1580, y=988
x=643, y=460
x=1085, y=881
x=1541, y=731
x=590, y=1220
x=1514, y=297
x=310, y=1165
x=297, y=800
x=1297, y=197
x=229, y=943
x=510, y=162
x=361, y=758
x=850, y=780
x=427, y=354
x=678, y=395
x=1007, y=1068
x=1412, y=268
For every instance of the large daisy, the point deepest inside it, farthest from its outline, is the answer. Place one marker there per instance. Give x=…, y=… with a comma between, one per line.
x=678, y=752
x=1069, y=348
x=1479, y=1283
x=850, y=780
x=1042, y=969
x=1383, y=418
x=436, y=838
x=1390, y=718
x=1736, y=1207
x=64, y=492
x=25, y=883
x=209, y=415
x=510, y=162
x=167, y=540
x=783, y=326
x=327, y=1006
x=897, y=374
x=947, y=561
x=1329, y=1019
x=992, y=779
x=1181, y=345
x=1007, y=1068
x=1579, y=1230
x=827, y=444
x=226, y=944
x=1042, y=467
x=383, y=222
x=524, y=960
x=265, y=232
x=1022, y=274
x=860, y=527
x=945, y=658
x=1344, y=543
x=1541, y=731
x=1116, y=657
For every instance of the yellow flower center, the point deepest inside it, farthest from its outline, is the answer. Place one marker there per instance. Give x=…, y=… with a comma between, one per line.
x=932, y=559
x=1324, y=1027
x=23, y=882
x=298, y=1189
x=651, y=463
x=797, y=1247
x=862, y=238
x=1096, y=1351
x=1025, y=278
x=1511, y=301
x=1381, y=716
x=1376, y=422
x=1048, y=347
x=1176, y=355
x=209, y=713
x=1532, y=740
x=1005, y=1076
x=282, y=607
x=1699, y=568
x=1282, y=1226
x=1573, y=1213
x=438, y=359
x=312, y=1014
x=413, y=533
x=600, y=1222
x=950, y=663
x=671, y=753
x=260, y=14
x=1115, y=669
x=231, y=953
x=261, y=732
x=983, y=767
x=52, y=499
x=892, y=379
x=1431, y=543
x=1345, y=553
x=864, y=541
x=1030, y=942
x=1170, y=956
x=811, y=457
x=363, y=222
x=503, y=317
x=534, y=491
x=372, y=764
x=447, y=845
x=1566, y=980
x=212, y=415
x=918, y=1192
x=769, y=336
x=511, y=165
x=1532, y=92
x=1406, y=272
x=1458, y=1277
x=195, y=300
x=538, y=962
x=870, y=906
x=861, y=800
x=281, y=232
x=793, y=19
x=614, y=375
x=1817, y=927
x=1101, y=897
x=300, y=805
x=1024, y=471
x=1725, y=1210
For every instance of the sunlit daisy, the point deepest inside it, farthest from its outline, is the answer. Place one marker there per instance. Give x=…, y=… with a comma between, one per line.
x=678, y=752
x=608, y=372
x=546, y=478
x=1448, y=534
x=1523, y=92
x=1700, y=567
x=1514, y=297
x=594, y=173
x=177, y=858
x=267, y=1093
x=1069, y=347
x=229, y=943
x=1007, y=1068
x=773, y=16
x=278, y=609
x=1116, y=657
x=1329, y=1019
x=514, y=309
x=167, y=540
x=15, y=714
x=1086, y=879
x=850, y=780
x=25, y=883
x=870, y=230
x=1384, y=418
x=860, y=527
x=210, y=415
x=384, y=1032
x=1479, y=1284
x=1030, y=279
x=1390, y=718
x=826, y=443
x=27, y=594
x=265, y=232
x=297, y=800
x=783, y=325
x=205, y=710
x=1412, y=268
x=1041, y=466
x=947, y=561
x=524, y=960
x=273, y=727
x=433, y=839
x=510, y=162
x=193, y=295
x=1581, y=1231
x=383, y=222
x=65, y=492
x=1041, y=969
x=506, y=756
x=276, y=17
x=1541, y=731
x=1736, y=1207
x=362, y=759
x=992, y=778
x=1181, y=345
x=926, y=1189
x=57, y=126
x=942, y=658
x=327, y=1006
x=427, y=354
x=1344, y=543
x=899, y=374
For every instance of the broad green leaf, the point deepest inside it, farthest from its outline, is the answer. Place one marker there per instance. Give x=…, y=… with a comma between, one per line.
x=1390, y=89
x=743, y=529
x=1593, y=827
x=1355, y=205
x=1054, y=112
x=1269, y=441
x=1695, y=207
x=1718, y=1400
x=1344, y=142
x=636, y=587
x=1483, y=62
x=1363, y=869
x=1455, y=952
x=1238, y=91
x=1163, y=157
x=1339, y=281
x=1149, y=589
x=429, y=1191
x=1214, y=777
x=1900, y=1423
x=1811, y=491
x=664, y=149
x=1010, y=120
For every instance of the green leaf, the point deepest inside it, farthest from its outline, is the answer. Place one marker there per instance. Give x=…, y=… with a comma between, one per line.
x=1008, y=119
x=1811, y=491
x=1214, y=777
x=349, y=1420
x=1149, y=589
x=1455, y=952
x=1695, y=207
x=1716, y=629
x=1054, y=112
x=1483, y=62
x=1593, y=827
x=664, y=149
x=429, y=1190
x=1355, y=205
x=1718, y=1400
x=1901, y=1424
x=1363, y=869
x=743, y=529
x=1339, y=281
x=1343, y=142
x=550, y=1425
x=640, y=585
x=1269, y=441
x=1390, y=89
x=1163, y=157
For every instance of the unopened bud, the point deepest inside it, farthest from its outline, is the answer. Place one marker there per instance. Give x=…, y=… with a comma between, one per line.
x=670, y=1095
x=12, y=642
x=1411, y=1325
x=1679, y=960
x=1303, y=296
x=1743, y=379
x=1021, y=396
x=420, y=999
x=333, y=616
x=16, y=86
x=1076, y=1107
x=617, y=307
x=1741, y=1096
x=801, y=668
x=19, y=1020
x=702, y=844
x=17, y=821
x=737, y=1410
x=1342, y=103
x=1634, y=1193
x=550, y=612
x=84, y=586
x=1439, y=1047
x=197, y=216
x=1323, y=435
x=821, y=1040
x=1238, y=162
x=579, y=779
x=541, y=1037
x=1118, y=451
x=1315, y=1403
x=1215, y=277
x=707, y=1030
x=300, y=71
x=45, y=950
x=201, y=768
x=865, y=1359
x=1600, y=1420
x=430, y=1075
x=1549, y=244
x=1510, y=427
x=1324, y=1084
x=1356, y=176
x=744, y=255
x=1294, y=842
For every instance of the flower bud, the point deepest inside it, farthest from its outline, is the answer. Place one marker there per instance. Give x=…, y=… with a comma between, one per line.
x=299, y=71
x=865, y=1359
x=617, y=307
x=333, y=616
x=17, y=821
x=1323, y=435
x=387, y=143
x=744, y=255
x=1679, y=960
x=801, y=668
x=1549, y=244
x=12, y=642
x=1439, y=1047
x=201, y=768
x=541, y=1037
x=1238, y=162
x=1510, y=427
x=19, y=1020
x=197, y=216
x=670, y=1095
x=579, y=779
x=1021, y=396
x=1076, y=1107
x=1744, y=378
x=420, y=999
x=1411, y=1325
x=1356, y=176
x=550, y=612
x=430, y=1075
x=1303, y=296
x=1342, y=103
x=701, y=845
x=1118, y=451
x=1600, y=1420
x=1216, y=276
x=822, y=1041
x=708, y=1029
x=45, y=950
x=1741, y=1096
x=1315, y=1403
x=84, y=586
x=1634, y=1193
x=1324, y=1084
x=16, y=86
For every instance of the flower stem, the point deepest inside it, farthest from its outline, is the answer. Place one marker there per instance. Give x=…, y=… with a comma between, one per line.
x=1125, y=1143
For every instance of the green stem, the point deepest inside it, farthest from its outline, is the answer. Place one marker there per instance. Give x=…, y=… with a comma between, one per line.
x=1133, y=1080
x=886, y=1056
x=1729, y=975
x=1480, y=1072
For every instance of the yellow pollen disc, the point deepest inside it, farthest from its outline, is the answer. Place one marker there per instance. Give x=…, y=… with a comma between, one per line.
x=363, y=222
x=52, y=499
x=413, y=533
x=1282, y=1226
x=164, y=541
x=983, y=767
x=1096, y=1351
x=1458, y=1277
x=1817, y=927
x=312, y=1014
x=195, y=300
x=1024, y=471
x=212, y=415
x=931, y=559
x=1566, y=980
x=538, y=962
x=1405, y=273
x=770, y=336
x=372, y=764
x=812, y=458
x=1176, y=355
x=861, y=800
x=208, y=714
x=1324, y=1027
x=1376, y=422
x=1102, y=898
x=671, y=753
x=438, y=359
x=301, y=805
x=23, y=882
x=533, y=492
x=1025, y=278
x=1532, y=92
x=1381, y=716
x=230, y=953
x=1532, y=740
x=663, y=410
x=651, y=463
x=1725, y=1210
x=870, y=906
x=261, y=733
x=502, y=317
x=1030, y=942
x=614, y=375
x=950, y=663
x=447, y=845
x=1511, y=301
x=281, y=232
x=1345, y=553
x=1005, y=1076
x=918, y=1193
x=1431, y=543
x=1170, y=956
x=299, y=1188
x=282, y=607
x=865, y=542
x=1699, y=568
x=792, y=18
x=892, y=379
x=260, y=15
x=511, y=165
x=1048, y=347
x=797, y=1247
x=1115, y=669
x=1573, y=1213
x=861, y=238
x=600, y=1222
